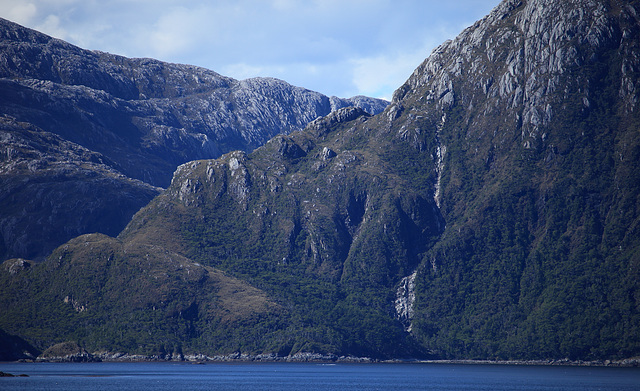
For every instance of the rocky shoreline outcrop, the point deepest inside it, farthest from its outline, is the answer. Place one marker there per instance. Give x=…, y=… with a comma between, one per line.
x=5, y=374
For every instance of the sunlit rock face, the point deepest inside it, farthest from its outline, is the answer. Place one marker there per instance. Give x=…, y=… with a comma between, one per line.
x=535, y=113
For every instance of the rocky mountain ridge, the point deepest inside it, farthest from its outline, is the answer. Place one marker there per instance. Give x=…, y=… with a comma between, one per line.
x=490, y=212
x=140, y=118
x=52, y=189
x=166, y=114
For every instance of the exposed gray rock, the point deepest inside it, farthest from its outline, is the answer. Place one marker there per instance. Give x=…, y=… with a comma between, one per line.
x=532, y=105
x=554, y=37
x=328, y=153
x=405, y=297
x=321, y=125
x=86, y=135
x=15, y=266
x=67, y=352
x=146, y=115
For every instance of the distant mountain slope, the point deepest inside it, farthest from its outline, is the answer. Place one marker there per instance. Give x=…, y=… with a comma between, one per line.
x=142, y=116
x=52, y=190
x=146, y=115
x=491, y=211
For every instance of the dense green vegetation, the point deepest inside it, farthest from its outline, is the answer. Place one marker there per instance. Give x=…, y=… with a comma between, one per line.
x=326, y=238
x=541, y=255
x=507, y=206
x=122, y=298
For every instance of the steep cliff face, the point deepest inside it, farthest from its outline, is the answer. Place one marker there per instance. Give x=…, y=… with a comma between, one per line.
x=141, y=116
x=321, y=223
x=491, y=211
x=322, y=220
x=522, y=133
x=536, y=113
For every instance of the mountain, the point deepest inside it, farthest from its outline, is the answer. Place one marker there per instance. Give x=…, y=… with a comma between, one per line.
x=490, y=212
x=536, y=116
x=140, y=118
x=52, y=189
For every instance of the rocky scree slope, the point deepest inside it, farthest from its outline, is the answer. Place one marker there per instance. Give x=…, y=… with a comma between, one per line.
x=491, y=211
x=142, y=116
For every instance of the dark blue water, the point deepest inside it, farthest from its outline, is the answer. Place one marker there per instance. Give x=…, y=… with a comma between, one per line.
x=309, y=377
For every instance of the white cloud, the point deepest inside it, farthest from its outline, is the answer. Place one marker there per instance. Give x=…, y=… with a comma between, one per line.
x=380, y=75
x=171, y=33
x=22, y=13
x=51, y=26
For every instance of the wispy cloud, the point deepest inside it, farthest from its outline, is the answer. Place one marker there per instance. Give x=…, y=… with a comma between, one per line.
x=20, y=13
x=379, y=75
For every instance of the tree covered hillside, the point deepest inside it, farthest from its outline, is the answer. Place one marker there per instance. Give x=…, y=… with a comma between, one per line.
x=490, y=212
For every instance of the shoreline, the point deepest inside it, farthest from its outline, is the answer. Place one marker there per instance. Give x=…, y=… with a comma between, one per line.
x=624, y=363
x=316, y=358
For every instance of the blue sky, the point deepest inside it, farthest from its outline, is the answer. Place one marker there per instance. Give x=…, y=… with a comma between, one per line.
x=336, y=47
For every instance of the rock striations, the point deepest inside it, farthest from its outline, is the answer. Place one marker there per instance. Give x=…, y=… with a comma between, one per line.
x=490, y=212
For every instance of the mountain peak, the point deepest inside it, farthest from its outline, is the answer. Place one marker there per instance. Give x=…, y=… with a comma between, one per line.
x=518, y=56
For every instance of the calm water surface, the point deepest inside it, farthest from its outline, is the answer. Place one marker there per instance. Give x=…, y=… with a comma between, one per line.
x=309, y=377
